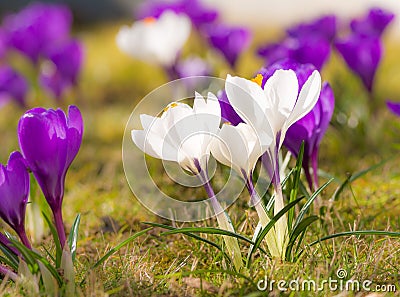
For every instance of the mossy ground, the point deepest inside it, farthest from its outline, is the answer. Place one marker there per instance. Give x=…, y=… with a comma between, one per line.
x=176, y=265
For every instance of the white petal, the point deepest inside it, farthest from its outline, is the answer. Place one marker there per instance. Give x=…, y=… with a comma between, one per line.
x=308, y=97
x=247, y=98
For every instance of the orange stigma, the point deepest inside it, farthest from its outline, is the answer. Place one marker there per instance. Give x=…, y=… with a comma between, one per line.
x=171, y=105
x=258, y=79
x=149, y=20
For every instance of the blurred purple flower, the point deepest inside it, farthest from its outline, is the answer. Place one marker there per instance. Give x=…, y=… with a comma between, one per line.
x=230, y=41
x=192, y=66
x=372, y=24
x=62, y=67
x=323, y=27
x=14, y=191
x=228, y=114
x=194, y=9
x=49, y=141
x=36, y=27
x=362, y=55
x=12, y=86
x=312, y=49
x=312, y=127
x=394, y=107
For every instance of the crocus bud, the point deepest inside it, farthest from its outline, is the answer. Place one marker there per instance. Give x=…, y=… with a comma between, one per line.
x=49, y=141
x=14, y=191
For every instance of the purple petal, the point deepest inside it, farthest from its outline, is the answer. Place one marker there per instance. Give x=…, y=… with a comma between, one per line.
x=324, y=27
x=12, y=86
x=230, y=41
x=14, y=191
x=36, y=27
x=362, y=55
x=63, y=65
x=228, y=114
x=373, y=24
x=394, y=107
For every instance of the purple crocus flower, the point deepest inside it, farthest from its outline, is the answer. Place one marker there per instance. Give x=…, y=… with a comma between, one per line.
x=62, y=67
x=14, y=191
x=373, y=24
x=312, y=127
x=49, y=141
x=323, y=27
x=306, y=49
x=228, y=114
x=230, y=41
x=37, y=26
x=198, y=13
x=394, y=107
x=192, y=66
x=12, y=86
x=362, y=55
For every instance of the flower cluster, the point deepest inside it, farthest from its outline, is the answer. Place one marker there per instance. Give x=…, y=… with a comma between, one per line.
x=267, y=108
x=167, y=26
x=311, y=43
x=49, y=141
x=41, y=33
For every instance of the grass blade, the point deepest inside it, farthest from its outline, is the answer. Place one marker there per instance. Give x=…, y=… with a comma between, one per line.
x=12, y=258
x=119, y=246
x=355, y=176
x=360, y=232
x=208, y=230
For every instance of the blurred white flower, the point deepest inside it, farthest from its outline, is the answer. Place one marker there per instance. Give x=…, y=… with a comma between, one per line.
x=156, y=41
x=182, y=133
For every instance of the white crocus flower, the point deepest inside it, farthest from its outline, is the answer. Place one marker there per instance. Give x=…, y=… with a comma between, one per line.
x=271, y=111
x=239, y=147
x=157, y=41
x=183, y=134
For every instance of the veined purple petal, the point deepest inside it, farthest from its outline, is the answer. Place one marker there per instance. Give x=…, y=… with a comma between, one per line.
x=229, y=40
x=373, y=24
x=14, y=191
x=394, y=107
x=49, y=141
x=36, y=27
x=12, y=86
x=362, y=55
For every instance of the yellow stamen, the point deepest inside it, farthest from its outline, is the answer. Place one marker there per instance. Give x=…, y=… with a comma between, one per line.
x=227, y=123
x=258, y=79
x=149, y=20
x=171, y=105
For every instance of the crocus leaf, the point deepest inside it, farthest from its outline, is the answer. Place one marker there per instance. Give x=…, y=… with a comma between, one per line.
x=297, y=230
x=55, y=239
x=12, y=259
x=73, y=236
x=267, y=228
